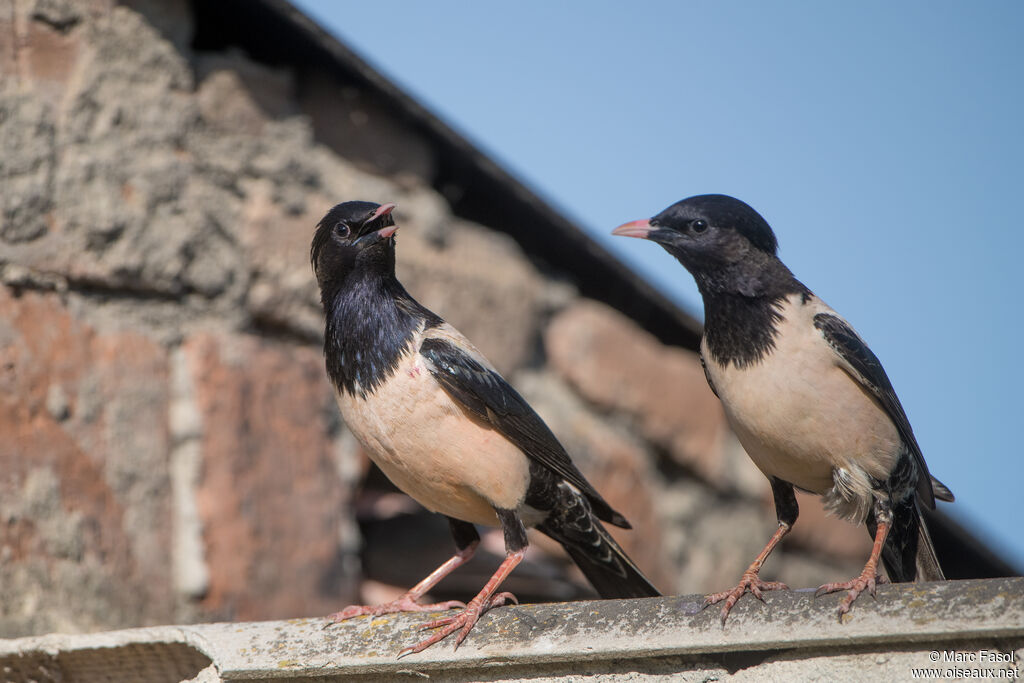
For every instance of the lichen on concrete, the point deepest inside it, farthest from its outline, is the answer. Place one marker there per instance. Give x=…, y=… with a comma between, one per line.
x=791, y=637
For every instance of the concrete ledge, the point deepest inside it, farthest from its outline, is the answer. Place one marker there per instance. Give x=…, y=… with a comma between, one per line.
x=793, y=636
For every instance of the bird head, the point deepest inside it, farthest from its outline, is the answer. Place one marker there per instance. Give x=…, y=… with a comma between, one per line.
x=722, y=241
x=354, y=236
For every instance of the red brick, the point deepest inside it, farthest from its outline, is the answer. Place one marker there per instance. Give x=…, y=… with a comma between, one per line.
x=103, y=447
x=51, y=55
x=619, y=468
x=619, y=367
x=270, y=498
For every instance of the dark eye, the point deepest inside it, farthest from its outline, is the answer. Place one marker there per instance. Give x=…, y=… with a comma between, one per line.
x=698, y=226
x=342, y=229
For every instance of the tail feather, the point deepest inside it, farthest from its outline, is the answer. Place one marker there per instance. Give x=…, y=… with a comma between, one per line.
x=942, y=491
x=909, y=554
x=926, y=562
x=606, y=565
x=609, y=569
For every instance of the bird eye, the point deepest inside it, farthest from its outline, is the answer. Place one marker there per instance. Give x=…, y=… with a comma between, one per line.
x=698, y=226
x=342, y=229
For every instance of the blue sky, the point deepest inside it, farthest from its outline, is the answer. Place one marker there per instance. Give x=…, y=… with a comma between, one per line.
x=883, y=142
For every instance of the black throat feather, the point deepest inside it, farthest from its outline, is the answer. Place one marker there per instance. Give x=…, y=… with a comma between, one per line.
x=742, y=312
x=371, y=323
x=741, y=330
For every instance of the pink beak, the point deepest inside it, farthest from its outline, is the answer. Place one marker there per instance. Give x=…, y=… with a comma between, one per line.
x=640, y=229
x=384, y=210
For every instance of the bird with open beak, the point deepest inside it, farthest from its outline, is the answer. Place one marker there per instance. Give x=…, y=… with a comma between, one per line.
x=808, y=400
x=446, y=428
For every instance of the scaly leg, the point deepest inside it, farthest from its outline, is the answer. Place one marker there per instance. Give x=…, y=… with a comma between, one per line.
x=868, y=578
x=786, y=509
x=466, y=542
x=463, y=622
x=750, y=579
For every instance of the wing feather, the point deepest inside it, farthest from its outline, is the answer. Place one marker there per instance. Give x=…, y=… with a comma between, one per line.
x=472, y=383
x=862, y=364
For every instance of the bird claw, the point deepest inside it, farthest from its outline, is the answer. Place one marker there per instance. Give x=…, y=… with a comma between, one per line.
x=749, y=582
x=854, y=587
x=496, y=600
x=463, y=622
x=406, y=603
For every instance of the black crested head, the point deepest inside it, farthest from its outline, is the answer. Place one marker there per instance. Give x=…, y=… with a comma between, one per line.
x=370, y=318
x=730, y=251
x=723, y=214
x=723, y=242
x=353, y=236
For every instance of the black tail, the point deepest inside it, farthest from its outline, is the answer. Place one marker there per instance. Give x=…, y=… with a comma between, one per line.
x=908, y=554
x=609, y=569
x=599, y=557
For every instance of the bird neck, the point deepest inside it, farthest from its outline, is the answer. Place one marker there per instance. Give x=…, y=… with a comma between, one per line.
x=371, y=321
x=742, y=312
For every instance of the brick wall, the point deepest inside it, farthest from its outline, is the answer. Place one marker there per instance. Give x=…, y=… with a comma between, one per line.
x=169, y=449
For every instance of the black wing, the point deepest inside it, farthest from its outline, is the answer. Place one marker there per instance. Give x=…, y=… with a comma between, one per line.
x=487, y=396
x=869, y=372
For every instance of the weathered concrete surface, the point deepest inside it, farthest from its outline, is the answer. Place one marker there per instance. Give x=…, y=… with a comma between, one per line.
x=792, y=637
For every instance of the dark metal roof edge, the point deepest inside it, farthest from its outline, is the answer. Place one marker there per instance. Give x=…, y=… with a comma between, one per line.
x=952, y=537
x=484, y=164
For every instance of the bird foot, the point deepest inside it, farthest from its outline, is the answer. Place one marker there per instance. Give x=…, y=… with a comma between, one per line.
x=406, y=603
x=462, y=622
x=865, y=582
x=750, y=581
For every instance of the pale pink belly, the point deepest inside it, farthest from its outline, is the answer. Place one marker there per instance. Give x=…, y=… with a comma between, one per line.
x=800, y=416
x=433, y=451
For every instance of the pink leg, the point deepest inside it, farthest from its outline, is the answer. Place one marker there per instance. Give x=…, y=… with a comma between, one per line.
x=467, y=618
x=408, y=602
x=867, y=579
x=750, y=579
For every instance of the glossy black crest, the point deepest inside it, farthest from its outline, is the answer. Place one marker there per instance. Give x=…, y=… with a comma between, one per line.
x=352, y=212
x=731, y=252
x=337, y=242
x=723, y=212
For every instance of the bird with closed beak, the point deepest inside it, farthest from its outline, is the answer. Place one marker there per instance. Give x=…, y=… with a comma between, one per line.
x=808, y=400
x=446, y=428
